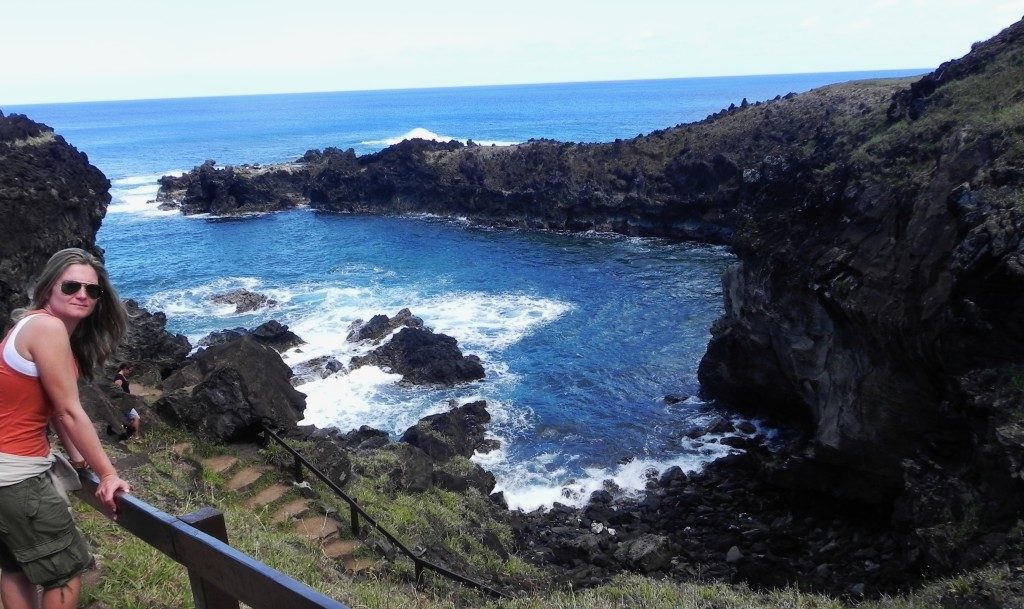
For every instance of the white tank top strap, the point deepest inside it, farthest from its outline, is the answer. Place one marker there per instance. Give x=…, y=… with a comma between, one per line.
x=11, y=356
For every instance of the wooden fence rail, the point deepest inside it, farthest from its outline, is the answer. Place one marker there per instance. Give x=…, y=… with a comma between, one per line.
x=221, y=576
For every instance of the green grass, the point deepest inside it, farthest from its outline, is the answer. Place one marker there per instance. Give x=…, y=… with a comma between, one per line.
x=135, y=575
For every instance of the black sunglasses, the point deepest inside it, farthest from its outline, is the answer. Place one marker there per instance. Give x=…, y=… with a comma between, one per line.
x=91, y=289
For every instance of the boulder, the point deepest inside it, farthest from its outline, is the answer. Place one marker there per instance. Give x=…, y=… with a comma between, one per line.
x=244, y=300
x=153, y=352
x=380, y=326
x=365, y=438
x=242, y=385
x=459, y=474
x=456, y=432
x=271, y=333
x=424, y=358
x=646, y=553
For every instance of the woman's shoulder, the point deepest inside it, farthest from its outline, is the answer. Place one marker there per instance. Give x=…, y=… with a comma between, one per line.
x=41, y=323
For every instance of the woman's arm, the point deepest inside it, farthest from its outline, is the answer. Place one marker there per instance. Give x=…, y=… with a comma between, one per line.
x=46, y=340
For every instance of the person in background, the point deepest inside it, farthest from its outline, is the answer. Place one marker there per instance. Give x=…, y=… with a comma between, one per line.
x=73, y=324
x=132, y=420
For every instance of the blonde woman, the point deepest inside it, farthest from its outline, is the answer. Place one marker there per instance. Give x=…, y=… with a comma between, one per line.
x=73, y=324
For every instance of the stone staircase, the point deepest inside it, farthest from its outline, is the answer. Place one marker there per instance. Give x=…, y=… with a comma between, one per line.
x=289, y=509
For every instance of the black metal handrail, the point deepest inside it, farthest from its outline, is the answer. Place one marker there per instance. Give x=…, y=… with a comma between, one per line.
x=355, y=511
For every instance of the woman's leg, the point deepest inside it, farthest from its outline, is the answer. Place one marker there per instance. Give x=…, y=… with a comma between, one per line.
x=17, y=591
x=65, y=597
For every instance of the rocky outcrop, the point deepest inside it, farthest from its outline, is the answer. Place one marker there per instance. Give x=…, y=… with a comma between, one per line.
x=244, y=300
x=272, y=333
x=230, y=390
x=381, y=325
x=424, y=358
x=230, y=191
x=50, y=198
x=153, y=351
x=460, y=431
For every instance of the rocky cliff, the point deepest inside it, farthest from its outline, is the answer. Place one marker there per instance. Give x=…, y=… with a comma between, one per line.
x=50, y=198
x=881, y=261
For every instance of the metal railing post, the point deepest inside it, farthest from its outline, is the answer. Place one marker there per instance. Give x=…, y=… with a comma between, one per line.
x=355, y=517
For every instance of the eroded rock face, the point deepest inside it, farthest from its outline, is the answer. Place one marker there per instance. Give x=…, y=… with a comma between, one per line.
x=50, y=198
x=231, y=389
x=423, y=357
x=873, y=275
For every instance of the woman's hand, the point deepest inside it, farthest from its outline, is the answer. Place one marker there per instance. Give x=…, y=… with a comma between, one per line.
x=107, y=490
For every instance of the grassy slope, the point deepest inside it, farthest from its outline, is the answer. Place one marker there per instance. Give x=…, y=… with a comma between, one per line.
x=132, y=574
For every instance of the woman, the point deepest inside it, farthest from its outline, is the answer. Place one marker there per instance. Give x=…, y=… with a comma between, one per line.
x=74, y=323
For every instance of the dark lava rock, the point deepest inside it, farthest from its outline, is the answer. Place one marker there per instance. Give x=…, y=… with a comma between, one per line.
x=365, y=438
x=460, y=474
x=646, y=553
x=235, y=388
x=153, y=351
x=50, y=198
x=272, y=333
x=380, y=326
x=423, y=358
x=244, y=300
x=456, y=432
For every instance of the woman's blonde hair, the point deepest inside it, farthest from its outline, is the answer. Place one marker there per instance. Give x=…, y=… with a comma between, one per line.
x=96, y=337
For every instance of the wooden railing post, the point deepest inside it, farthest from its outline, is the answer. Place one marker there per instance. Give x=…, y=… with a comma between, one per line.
x=206, y=594
x=297, y=469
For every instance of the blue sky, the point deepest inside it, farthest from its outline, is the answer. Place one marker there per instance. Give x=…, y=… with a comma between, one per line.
x=63, y=50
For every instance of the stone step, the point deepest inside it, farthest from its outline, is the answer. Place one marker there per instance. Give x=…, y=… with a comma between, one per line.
x=220, y=464
x=181, y=449
x=267, y=496
x=245, y=478
x=292, y=509
x=359, y=565
x=318, y=528
x=341, y=548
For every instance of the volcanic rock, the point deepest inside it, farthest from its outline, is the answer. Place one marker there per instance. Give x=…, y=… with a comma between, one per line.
x=380, y=326
x=50, y=198
x=231, y=389
x=244, y=300
x=423, y=358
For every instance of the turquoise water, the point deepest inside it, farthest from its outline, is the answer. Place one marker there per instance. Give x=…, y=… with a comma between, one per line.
x=581, y=336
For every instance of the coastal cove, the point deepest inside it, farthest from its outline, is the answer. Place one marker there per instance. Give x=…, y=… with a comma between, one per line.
x=583, y=337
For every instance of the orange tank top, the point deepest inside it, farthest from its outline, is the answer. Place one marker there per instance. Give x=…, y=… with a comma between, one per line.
x=24, y=411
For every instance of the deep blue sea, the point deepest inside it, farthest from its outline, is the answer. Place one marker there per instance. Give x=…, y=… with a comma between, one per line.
x=581, y=336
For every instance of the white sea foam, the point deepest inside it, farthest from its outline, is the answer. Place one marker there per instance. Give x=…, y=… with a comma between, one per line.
x=196, y=302
x=487, y=321
x=426, y=134
x=136, y=195
x=532, y=485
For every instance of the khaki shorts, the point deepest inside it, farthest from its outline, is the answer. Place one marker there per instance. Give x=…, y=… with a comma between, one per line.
x=37, y=535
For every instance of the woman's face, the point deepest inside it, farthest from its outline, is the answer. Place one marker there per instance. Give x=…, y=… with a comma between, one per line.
x=78, y=305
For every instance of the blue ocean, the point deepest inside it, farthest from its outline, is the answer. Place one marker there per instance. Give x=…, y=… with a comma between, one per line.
x=582, y=336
